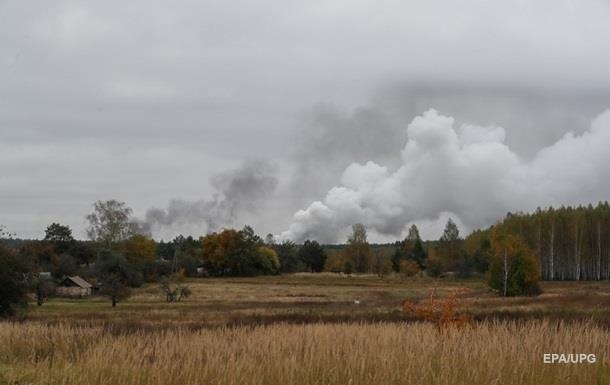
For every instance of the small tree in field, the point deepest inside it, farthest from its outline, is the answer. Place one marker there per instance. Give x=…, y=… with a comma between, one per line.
x=114, y=287
x=513, y=270
x=116, y=275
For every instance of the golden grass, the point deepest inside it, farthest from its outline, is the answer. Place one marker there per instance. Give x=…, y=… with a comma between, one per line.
x=280, y=354
x=307, y=298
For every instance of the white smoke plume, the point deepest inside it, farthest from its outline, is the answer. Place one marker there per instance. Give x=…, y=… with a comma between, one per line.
x=239, y=191
x=468, y=173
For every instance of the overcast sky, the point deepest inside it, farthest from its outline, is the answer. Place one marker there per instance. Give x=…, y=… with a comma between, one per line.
x=223, y=113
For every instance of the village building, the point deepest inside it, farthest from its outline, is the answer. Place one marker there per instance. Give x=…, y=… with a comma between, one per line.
x=75, y=287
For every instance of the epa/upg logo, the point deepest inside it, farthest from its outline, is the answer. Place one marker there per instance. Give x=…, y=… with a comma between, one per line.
x=555, y=358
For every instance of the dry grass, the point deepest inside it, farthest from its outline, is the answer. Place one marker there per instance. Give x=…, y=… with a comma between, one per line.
x=487, y=353
x=307, y=329
x=313, y=298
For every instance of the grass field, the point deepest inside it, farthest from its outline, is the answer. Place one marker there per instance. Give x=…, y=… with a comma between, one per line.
x=306, y=298
x=307, y=329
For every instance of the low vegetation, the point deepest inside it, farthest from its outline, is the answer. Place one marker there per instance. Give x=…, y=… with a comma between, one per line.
x=490, y=353
x=234, y=308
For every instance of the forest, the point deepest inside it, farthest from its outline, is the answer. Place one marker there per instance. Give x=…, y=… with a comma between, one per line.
x=567, y=243
x=571, y=243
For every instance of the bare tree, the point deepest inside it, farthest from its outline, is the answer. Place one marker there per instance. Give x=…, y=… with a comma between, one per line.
x=110, y=222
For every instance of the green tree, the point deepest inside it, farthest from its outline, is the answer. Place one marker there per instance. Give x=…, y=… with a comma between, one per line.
x=83, y=251
x=13, y=287
x=41, y=254
x=397, y=256
x=449, y=246
x=411, y=248
x=477, y=247
x=358, y=250
x=268, y=260
x=115, y=288
x=116, y=275
x=59, y=236
x=287, y=253
x=514, y=270
x=66, y=265
x=312, y=254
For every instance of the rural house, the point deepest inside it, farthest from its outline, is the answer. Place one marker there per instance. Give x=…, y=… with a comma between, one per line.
x=74, y=287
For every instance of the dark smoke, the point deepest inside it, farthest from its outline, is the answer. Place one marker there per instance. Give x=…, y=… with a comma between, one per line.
x=239, y=191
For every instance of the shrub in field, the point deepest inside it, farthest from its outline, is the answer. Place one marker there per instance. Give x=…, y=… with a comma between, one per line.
x=441, y=311
x=174, y=292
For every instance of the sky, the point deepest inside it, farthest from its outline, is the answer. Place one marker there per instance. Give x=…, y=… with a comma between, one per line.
x=301, y=118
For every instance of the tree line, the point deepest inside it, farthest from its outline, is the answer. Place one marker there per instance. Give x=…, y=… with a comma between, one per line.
x=571, y=243
x=117, y=257
x=568, y=243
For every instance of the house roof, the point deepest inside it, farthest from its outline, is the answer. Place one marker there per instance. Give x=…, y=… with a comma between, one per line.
x=79, y=282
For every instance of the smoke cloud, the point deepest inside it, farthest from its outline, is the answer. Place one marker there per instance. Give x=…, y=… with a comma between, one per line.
x=466, y=172
x=239, y=191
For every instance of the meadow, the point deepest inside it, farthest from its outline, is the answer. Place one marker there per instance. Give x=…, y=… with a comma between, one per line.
x=311, y=329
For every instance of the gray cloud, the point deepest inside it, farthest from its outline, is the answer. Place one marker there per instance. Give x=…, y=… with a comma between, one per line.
x=145, y=101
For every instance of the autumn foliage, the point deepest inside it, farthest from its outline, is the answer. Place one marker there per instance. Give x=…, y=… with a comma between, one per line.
x=441, y=311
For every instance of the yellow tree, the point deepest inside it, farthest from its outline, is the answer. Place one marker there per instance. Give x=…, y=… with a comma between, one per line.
x=218, y=248
x=139, y=249
x=358, y=251
x=514, y=269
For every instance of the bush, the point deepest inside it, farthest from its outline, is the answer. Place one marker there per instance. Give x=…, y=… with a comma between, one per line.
x=442, y=312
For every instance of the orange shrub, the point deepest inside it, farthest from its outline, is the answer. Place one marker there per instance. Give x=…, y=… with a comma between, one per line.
x=440, y=311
